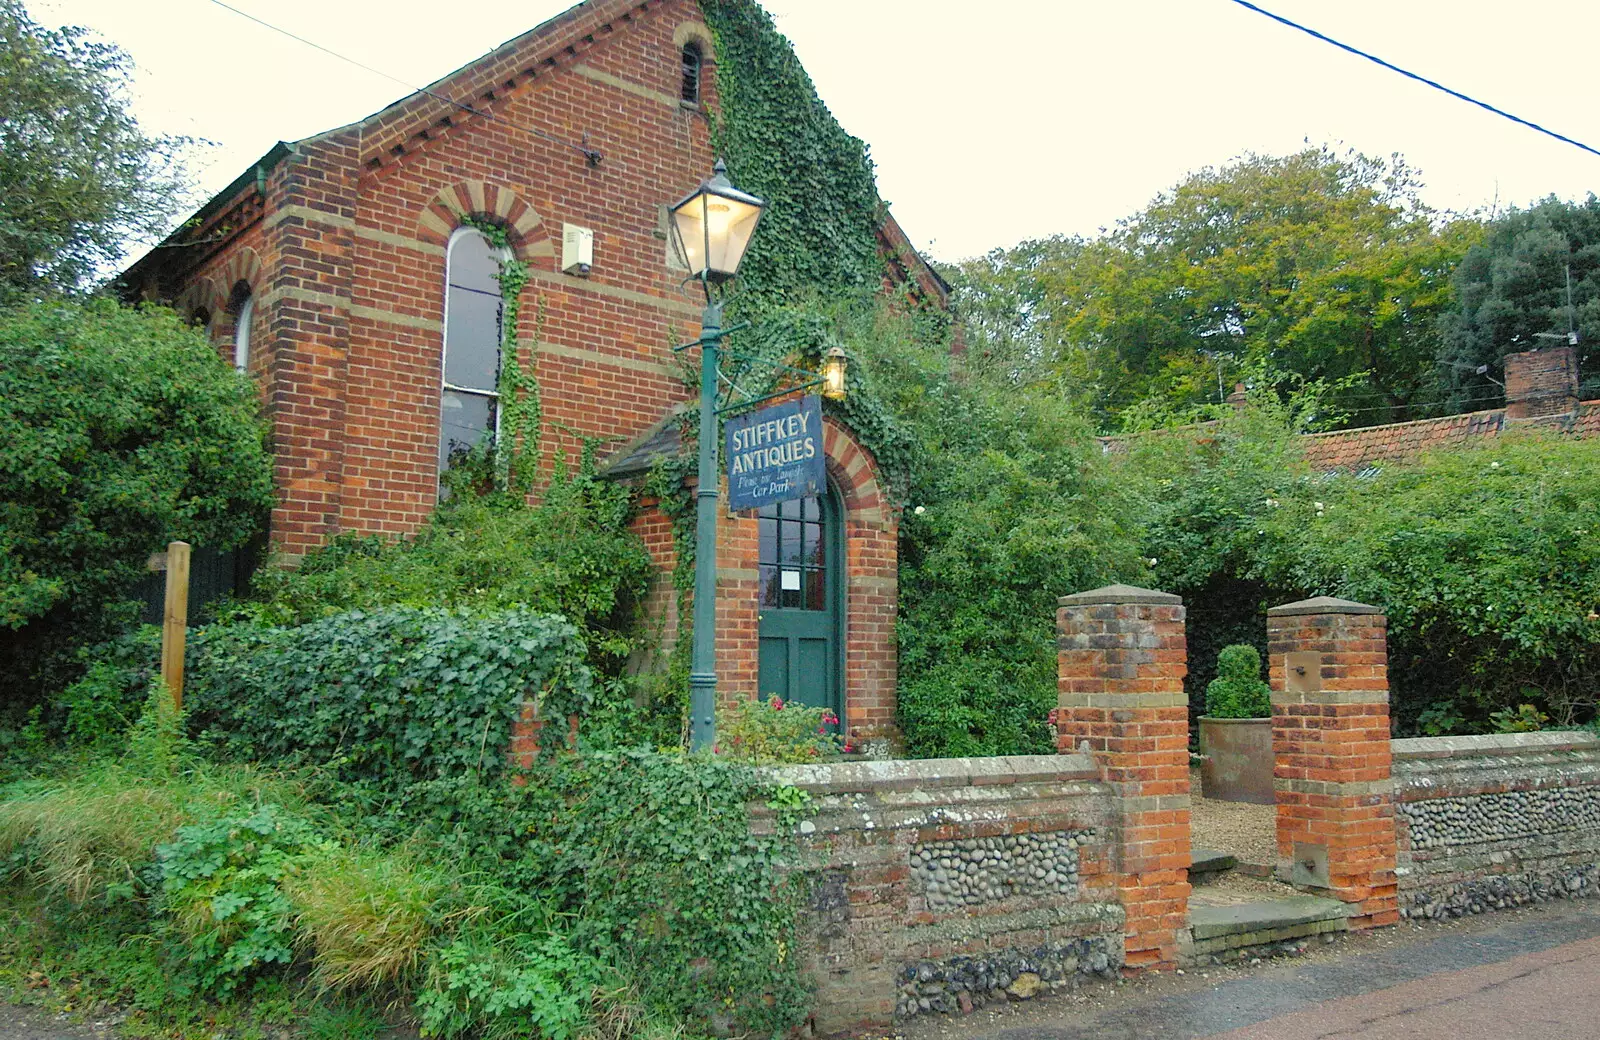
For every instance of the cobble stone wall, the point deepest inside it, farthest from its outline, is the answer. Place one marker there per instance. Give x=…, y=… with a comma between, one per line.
x=1491, y=822
x=944, y=885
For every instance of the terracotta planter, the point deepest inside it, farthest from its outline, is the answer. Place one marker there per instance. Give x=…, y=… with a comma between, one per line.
x=1238, y=760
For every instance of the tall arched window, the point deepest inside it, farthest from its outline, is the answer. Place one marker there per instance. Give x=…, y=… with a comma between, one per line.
x=241, y=333
x=472, y=306
x=691, y=73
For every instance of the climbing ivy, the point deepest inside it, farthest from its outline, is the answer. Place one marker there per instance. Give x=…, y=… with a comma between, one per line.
x=513, y=457
x=819, y=231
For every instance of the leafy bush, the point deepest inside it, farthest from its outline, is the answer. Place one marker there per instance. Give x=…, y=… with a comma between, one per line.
x=124, y=430
x=1487, y=562
x=509, y=986
x=388, y=697
x=1238, y=691
x=1009, y=511
x=571, y=554
x=220, y=881
x=770, y=732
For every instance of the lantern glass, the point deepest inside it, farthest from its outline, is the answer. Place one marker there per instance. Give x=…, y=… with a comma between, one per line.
x=834, y=366
x=713, y=226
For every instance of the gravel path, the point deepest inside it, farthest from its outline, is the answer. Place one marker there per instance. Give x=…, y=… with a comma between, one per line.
x=1247, y=831
x=25, y=1023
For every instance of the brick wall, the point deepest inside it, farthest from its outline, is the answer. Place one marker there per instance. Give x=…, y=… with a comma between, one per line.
x=1493, y=822
x=1328, y=664
x=926, y=898
x=1121, y=664
x=1541, y=383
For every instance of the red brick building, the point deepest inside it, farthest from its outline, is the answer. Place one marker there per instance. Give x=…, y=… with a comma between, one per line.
x=345, y=272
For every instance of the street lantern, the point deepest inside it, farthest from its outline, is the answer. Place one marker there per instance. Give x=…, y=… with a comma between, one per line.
x=834, y=365
x=713, y=225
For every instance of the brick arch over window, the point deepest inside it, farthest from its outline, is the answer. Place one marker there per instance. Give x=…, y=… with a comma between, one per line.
x=203, y=294
x=451, y=206
x=243, y=266
x=696, y=33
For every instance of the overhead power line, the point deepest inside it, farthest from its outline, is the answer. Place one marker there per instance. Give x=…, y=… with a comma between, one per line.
x=587, y=152
x=1412, y=75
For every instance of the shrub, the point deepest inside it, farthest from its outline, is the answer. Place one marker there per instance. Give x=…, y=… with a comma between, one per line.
x=1487, y=563
x=124, y=430
x=571, y=554
x=387, y=697
x=1238, y=691
x=221, y=882
x=770, y=732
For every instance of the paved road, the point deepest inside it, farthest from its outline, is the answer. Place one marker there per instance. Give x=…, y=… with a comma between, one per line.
x=1533, y=974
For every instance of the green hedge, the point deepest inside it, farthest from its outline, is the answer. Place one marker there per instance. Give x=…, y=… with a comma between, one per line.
x=385, y=698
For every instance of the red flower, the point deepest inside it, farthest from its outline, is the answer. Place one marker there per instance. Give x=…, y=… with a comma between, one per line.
x=777, y=705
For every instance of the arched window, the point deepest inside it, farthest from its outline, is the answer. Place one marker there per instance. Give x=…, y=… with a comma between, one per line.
x=241, y=333
x=472, y=305
x=691, y=73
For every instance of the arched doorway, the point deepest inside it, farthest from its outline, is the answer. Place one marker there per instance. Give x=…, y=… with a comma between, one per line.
x=801, y=614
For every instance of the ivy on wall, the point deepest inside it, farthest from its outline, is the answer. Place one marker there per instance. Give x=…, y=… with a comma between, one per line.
x=819, y=231
x=513, y=456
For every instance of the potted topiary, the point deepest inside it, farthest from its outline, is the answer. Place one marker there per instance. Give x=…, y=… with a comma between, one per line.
x=1236, y=730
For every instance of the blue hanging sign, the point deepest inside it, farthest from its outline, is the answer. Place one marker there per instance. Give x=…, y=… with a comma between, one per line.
x=775, y=454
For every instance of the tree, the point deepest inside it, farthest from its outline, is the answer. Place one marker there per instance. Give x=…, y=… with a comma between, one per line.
x=1512, y=287
x=78, y=178
x=1314, y=265
x=119, y=430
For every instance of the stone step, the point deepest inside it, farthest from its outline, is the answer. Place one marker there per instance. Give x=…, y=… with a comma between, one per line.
x=1215, y=930
x=1208, y=863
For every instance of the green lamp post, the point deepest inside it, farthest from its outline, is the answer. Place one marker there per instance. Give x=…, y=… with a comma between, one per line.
x=713, y=226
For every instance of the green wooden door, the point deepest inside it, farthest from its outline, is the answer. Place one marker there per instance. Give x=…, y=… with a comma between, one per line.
x=801, y=593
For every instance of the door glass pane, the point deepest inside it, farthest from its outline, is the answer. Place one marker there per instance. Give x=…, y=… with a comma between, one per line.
x=769, y=540
x=815, y=587
x=769, y=585
x=467, y=418
x=811, y=545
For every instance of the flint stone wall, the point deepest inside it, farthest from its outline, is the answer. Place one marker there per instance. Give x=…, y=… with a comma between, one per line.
x=1492, y=822
x=946, y=884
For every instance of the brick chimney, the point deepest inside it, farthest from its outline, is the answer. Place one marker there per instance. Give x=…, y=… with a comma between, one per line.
x=1238, y=398
x=1541, y=383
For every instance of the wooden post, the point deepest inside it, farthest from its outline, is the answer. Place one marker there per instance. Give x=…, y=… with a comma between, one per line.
x=175, y=620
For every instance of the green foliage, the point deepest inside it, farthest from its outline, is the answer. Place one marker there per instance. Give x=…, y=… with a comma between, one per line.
x=1238, y=691
x=1487, y=562
x=509, y=988
x=387, y=697
x=1525, y=718
x=221, y=882
x=771, y=733
x=819, y=231
x=1327, y=266
x=701, y=910
x=80, y=177
x=124, y=430
x=1011, y=509
x=1512, y=286
x=570, y=554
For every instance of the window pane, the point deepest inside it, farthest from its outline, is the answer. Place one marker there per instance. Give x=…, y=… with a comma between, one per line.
x=769, y=586
x=472, y=340
x=814, y=590
x=790, y=589
x=808, y=508
x=811, y=547
x=474, y=264
x=467, y=418
x=789, y=510
x=793, y=548
x=769, y=541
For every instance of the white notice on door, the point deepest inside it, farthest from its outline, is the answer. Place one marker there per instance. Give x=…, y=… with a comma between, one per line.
x=791, y=581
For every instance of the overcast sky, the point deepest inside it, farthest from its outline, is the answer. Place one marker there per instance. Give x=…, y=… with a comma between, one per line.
x=989, y=122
